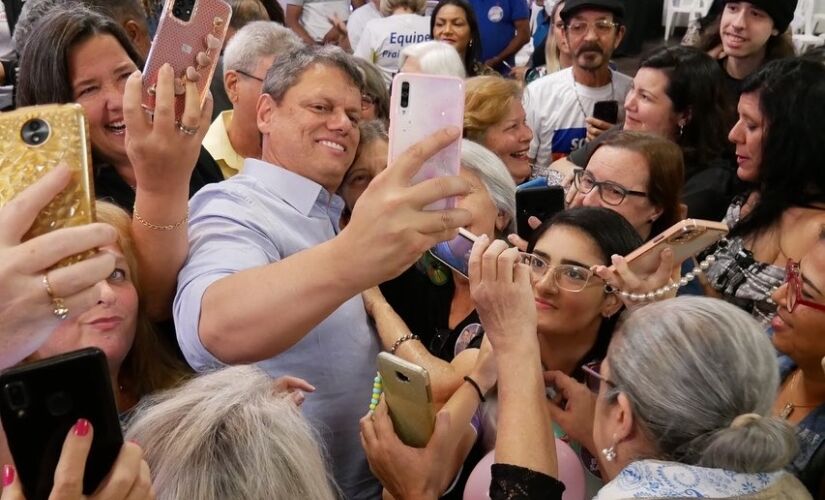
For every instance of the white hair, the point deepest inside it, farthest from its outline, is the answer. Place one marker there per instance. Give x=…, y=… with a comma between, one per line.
x=228, y=435
x=689, y=367
x=256, y=40
x=494, y=175
x=435, y=58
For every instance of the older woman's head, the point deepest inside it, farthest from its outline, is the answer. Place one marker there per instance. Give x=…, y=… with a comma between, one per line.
x=492, y=199
x=494, y=117
x=370, y=160
x=228, y=434
x=639, y=176
x=692, y=380
x=432, y=58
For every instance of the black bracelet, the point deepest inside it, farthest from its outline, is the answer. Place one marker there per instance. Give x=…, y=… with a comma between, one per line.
x=476, y=387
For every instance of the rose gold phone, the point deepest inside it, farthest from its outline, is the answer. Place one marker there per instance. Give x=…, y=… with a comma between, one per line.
x=33, y=141
x=686, y=238
x=186, y=27
x=419, y=106
x=408, y=396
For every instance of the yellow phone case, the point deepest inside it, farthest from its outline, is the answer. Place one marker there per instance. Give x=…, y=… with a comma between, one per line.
x=408, y=395
x=26, y=155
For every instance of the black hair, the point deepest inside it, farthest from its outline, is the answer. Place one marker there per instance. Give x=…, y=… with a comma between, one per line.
x=613, y=235
x=120, y=10
x=472, y=56
x=696, y=85
x=792, y=101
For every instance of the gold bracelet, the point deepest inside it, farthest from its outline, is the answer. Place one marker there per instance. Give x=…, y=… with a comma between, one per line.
x=166, y=227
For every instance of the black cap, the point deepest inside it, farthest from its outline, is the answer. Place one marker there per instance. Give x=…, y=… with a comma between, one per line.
x=572, y=6
x=781, y=11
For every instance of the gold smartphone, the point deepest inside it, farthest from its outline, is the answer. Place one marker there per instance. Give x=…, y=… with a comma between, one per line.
x=33, y=141
x=409, y=398
x=686, y=238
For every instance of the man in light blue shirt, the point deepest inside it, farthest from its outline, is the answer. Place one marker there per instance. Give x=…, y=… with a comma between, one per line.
x=271, y=280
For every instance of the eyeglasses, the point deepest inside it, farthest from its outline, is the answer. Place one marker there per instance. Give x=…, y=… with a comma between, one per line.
x=244, y=73
x=565, y=276
x=593, y=377
x=610, y=192
x=794, y=297
x=367, y=101
x=603, y=27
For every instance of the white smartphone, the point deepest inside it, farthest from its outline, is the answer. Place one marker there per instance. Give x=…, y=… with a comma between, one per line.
x=419, y=106
x=455, y=253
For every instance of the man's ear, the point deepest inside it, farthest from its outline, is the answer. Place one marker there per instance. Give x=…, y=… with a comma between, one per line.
x=230, y=83
x=619, y=36
x=138, y=35
x=266, y=108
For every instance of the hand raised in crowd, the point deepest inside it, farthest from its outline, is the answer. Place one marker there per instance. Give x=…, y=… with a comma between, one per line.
x=596, y=127
x=389, y=227
x=162, y=152
x=294, y=387
x=404, y=471
x=31, y=295
x=129, y=478
x=501, y=290
x=577, y=414
x=621, y=278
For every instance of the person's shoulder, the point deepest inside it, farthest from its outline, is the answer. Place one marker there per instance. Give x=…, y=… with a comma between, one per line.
x=622, y=79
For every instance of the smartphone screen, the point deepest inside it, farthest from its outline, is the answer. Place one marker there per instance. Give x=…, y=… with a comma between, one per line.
x=419, y=106
x=606, y=111
x=455, y=253
x=542, y=202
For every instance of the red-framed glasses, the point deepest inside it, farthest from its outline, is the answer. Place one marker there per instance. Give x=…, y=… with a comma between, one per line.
x=794, y=296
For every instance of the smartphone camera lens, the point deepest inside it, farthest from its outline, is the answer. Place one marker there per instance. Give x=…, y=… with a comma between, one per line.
x=16, y=395
x=182, y=9
x=405, y=94
x=35, y=132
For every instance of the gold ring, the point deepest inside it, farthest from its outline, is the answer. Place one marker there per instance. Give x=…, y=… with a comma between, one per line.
x=48, y=286
x=188, y=130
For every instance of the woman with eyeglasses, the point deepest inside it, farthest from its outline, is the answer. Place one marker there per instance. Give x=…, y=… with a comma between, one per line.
x=637, y=175
x=798, y=335
x=375, y=98
x=574, y=317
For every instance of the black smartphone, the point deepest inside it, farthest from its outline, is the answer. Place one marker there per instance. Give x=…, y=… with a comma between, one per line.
x=39, y=405
x=606, y=111
x=542, y=202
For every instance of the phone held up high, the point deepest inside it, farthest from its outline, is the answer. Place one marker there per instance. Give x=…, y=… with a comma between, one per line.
x=542, y=202
x=455, y=253
x=35, y=140
x=606, y=111
x=419, y=106
x=186, y=28
x=409, y=398
x=686, y=238
x=39, y=404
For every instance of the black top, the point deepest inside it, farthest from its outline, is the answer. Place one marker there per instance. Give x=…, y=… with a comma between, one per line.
x=109, y=186
x=511, y=482
x=425, y=308
x=732, y=85
x=708, y=190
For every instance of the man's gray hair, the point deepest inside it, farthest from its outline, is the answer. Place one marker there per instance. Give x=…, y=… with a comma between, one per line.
x=494, y=175
x=287, y=69
x=257, y=40
x=690, y=366
x=229, y=435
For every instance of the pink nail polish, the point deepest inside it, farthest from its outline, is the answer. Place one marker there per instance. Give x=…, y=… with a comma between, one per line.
x=8, y=475
x=81, y=428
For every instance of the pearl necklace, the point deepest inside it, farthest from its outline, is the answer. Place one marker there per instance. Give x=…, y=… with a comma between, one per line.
x=673, y=285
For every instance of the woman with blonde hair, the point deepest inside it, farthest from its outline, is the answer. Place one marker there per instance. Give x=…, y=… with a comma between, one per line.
x=231, y=434
x=384, y=38
x=494, y=117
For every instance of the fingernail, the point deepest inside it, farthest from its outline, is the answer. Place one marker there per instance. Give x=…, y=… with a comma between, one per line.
x=8, y=475
x=614, y=259
x=136, y=73
x=134, y=441
x=81, y=428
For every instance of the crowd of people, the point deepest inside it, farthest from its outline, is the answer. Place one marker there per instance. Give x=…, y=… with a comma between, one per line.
x=252, y=258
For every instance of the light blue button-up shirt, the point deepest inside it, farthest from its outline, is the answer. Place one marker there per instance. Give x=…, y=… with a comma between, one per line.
x=258, y=217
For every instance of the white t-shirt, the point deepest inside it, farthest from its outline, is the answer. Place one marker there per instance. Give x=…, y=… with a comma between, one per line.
x=384, y=38
x=555, y=115
x=358, y=21
x=316, y=14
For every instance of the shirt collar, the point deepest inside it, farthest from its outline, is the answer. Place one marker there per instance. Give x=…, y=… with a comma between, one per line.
x=296, y=190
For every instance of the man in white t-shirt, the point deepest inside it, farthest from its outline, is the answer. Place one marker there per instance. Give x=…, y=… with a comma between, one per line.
x=559, y=106
x=383, y=39
x=358, y=21
x=311, y=19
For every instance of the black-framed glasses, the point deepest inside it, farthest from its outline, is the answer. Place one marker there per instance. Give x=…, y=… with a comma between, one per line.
x=593, y=377
x=244, y=73
x=609, y=191
x=794, y=296
x=568, y=277
x=602, y=26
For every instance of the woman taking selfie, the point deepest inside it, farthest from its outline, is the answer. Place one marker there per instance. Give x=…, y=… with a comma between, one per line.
x=78, y=55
